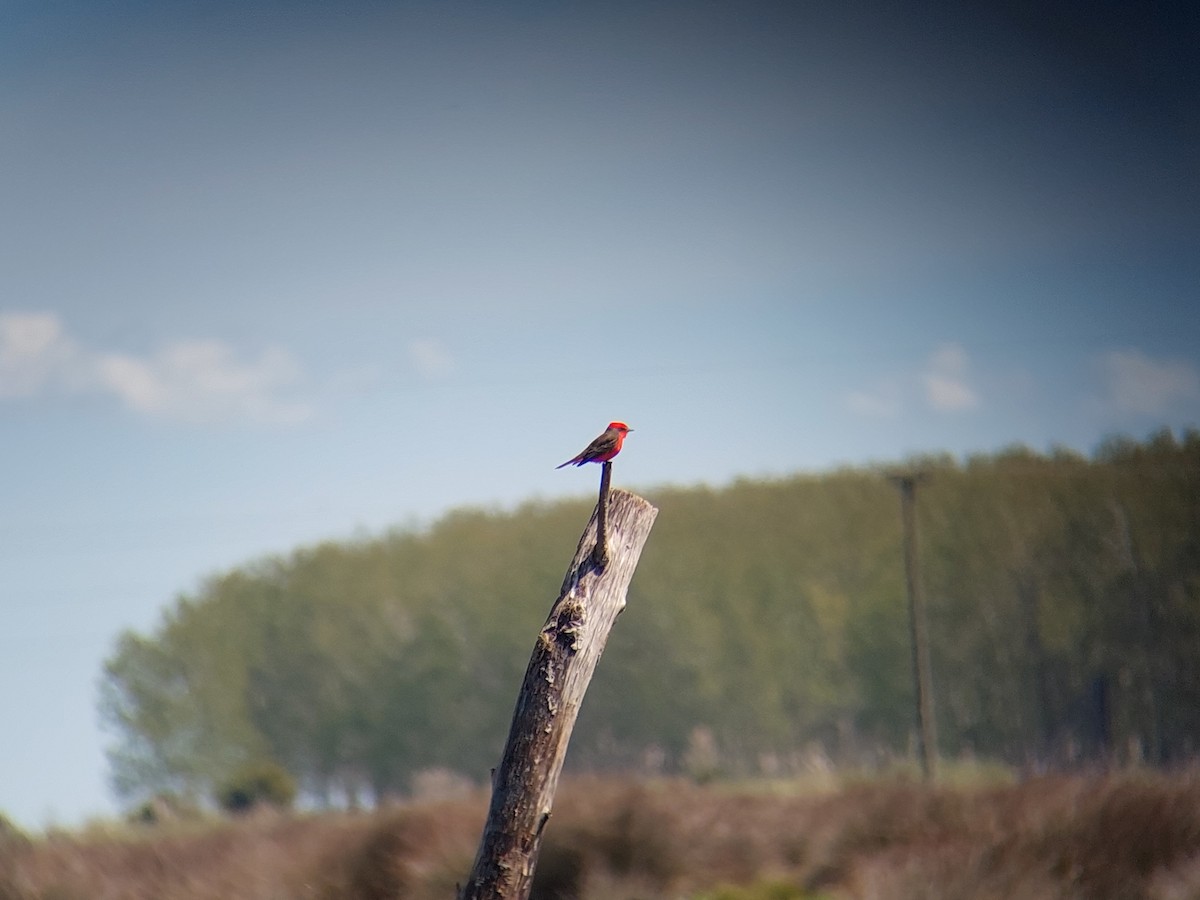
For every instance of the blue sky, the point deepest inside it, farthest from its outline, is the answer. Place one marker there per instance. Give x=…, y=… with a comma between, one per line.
x=274, y=273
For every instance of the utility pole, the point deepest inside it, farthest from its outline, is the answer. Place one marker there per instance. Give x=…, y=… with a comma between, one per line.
x=922, y=670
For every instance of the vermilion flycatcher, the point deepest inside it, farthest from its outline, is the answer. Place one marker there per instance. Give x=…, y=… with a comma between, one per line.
x=603, y=448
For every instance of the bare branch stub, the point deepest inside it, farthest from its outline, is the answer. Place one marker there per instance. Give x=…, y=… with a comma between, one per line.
x=600, y=553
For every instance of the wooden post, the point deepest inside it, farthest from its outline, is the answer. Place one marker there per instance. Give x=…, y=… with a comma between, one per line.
x=556, y=679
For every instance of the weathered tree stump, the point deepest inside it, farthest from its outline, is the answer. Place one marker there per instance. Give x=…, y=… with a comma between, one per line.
x=559, y=671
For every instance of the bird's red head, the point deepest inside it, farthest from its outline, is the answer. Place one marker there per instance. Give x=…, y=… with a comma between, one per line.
x=619, y=426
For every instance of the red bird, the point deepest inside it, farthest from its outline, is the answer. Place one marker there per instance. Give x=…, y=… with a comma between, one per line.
x=603, y=448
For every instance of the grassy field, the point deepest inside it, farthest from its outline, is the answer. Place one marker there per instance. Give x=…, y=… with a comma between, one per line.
x=1122, y=836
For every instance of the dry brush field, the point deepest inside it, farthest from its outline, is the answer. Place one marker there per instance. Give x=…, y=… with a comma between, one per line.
x=1124, y=836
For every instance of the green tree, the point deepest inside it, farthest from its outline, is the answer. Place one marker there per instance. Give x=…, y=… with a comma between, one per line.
x=1063, y=596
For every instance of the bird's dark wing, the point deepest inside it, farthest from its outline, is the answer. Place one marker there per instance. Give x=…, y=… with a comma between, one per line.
x=598, y=447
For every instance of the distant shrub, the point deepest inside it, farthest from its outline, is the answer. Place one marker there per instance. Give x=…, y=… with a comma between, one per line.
x=763, y=890
x=163, y=809
x=11, y=837
x=257, y=784
x=606, y=834
x=418, y=853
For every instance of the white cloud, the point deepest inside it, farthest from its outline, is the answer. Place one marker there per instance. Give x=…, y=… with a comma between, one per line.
x=1139, y=384
x=34, y=353
x=946, y=387
x=202, y=382
x=942, y=379
x=430, y=358
x=198, y=381
x=882, y=401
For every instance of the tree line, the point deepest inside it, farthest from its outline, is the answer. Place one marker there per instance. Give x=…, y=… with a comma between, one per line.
x=767, y=618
